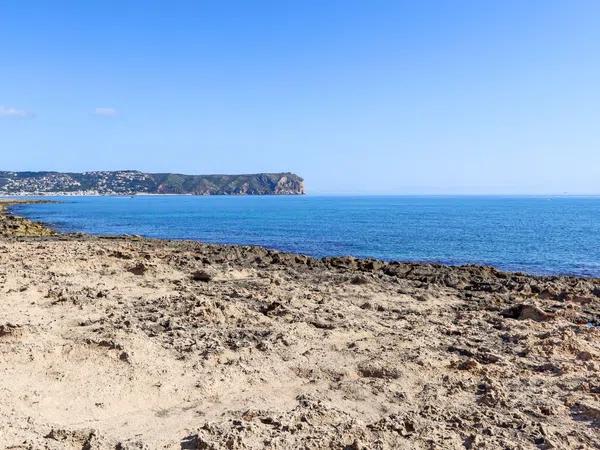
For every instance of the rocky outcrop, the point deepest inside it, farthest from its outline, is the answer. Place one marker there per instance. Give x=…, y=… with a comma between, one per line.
x=15, y=226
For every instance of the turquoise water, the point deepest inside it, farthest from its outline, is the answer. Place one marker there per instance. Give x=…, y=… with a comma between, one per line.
x=557, y=235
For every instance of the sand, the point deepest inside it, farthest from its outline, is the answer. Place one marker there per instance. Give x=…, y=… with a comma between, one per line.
x=130, y=343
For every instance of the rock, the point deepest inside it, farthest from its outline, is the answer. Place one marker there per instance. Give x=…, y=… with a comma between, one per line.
x=354, y=446
x=377, y=369
x=525, y=311
x=202, y=275
x=138, y=269
x=453, y=281
x=580, y=299
x=8, y=329
x=468, y=364
x=359, y=280
x=347, y=262
x=587, y=410
x=424, y=297
x=372, y=265
x=120, y=255
x=549, y=293
x=488, y=358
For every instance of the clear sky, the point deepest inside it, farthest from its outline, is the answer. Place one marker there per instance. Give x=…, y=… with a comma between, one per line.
x=357, y=96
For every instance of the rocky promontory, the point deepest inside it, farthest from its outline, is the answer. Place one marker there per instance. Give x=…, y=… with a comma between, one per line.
x=130, y=182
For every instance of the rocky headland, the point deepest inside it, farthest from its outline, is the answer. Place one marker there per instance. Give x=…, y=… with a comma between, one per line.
x=131, y=343
x=133, y=182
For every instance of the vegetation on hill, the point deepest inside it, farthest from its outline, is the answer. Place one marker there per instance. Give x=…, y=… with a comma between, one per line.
x=134, y=182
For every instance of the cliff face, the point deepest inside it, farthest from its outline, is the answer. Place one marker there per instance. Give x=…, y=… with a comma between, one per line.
x=134, y=182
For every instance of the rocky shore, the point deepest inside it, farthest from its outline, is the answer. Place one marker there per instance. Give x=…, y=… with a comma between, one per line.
x=14, y=226
x=130, y=343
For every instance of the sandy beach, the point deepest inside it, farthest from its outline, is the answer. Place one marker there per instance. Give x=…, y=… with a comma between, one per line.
x=131, y=343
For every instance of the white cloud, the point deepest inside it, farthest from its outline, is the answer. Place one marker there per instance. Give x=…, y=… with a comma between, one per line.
x=106, y=112
x=8, y=111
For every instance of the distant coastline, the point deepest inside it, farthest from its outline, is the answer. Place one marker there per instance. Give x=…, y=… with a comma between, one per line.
x=131, y=182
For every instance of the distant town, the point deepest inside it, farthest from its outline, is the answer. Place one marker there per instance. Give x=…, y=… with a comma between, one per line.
x=131, y=182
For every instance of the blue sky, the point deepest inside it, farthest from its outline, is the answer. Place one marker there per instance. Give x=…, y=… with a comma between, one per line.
x=361, y=96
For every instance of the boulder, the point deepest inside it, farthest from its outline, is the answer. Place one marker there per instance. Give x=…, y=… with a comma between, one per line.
x=202, y=275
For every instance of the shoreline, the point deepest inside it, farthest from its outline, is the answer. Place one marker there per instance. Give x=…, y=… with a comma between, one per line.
x=32, y=228
x=16, y=226
x=168, y=344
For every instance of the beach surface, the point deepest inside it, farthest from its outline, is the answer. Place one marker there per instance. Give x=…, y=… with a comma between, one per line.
x=131, y=343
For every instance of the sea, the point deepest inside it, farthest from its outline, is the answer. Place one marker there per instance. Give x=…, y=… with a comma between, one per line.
x=535, y=235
